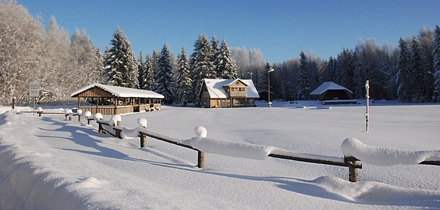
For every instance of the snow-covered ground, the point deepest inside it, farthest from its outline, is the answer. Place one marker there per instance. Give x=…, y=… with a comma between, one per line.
x=52, y=163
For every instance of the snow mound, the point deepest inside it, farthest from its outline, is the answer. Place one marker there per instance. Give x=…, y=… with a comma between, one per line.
x=374, y=192
x=91, y=182
x=382, y=156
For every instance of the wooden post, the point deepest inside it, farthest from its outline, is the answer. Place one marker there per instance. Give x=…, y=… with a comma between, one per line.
x=353, y=170
x=201, y=159
x=89, y=120
x=118, y=123
x=13, y=102
x=70, y=117
x=143, y=140
x=40, y=113
x=79, y=118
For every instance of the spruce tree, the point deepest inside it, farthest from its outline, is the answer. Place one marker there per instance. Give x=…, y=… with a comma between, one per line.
x=164, y=76
x=416, y=73
x=437, y=62
x=303, y=78
x=225, y=63
x=202, y=65
x=149, y=74
x=215, y=49
x=403, y=74
x=141, y=70
x=120, y=62
x=347, y=69
x=184, y=82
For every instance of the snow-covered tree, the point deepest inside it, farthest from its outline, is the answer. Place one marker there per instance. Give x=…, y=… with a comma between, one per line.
x=437, y=62
x=225, y=63
x=416, y=73
x=201, y=64
x=120, y=64
x=426, y=43
x=164, y=76
x=214, y=48
x=149, y=79
x=404, y=92
x=184, y=83
x=84, y=60
x=303, y=78
x=141, y=70
x=347, y=69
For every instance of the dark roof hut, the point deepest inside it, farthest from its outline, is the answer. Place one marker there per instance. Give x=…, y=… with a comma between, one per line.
x=331, y=91
x=110, y=100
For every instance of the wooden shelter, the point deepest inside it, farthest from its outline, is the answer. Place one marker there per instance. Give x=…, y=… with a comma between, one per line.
x=331, y=91
x=110, y=100
x=224, y=93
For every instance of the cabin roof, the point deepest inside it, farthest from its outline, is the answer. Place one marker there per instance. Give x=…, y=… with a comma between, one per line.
x=328, y=86
x=216, y=87
x=121, y=92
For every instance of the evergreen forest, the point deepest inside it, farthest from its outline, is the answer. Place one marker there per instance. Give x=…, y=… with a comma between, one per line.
x=32, y=52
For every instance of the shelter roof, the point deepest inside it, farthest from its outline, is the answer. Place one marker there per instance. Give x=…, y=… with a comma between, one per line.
x=216, y=87
x=328, y=86
x=121, y=92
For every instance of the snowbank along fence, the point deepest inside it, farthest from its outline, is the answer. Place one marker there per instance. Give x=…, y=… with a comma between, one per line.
x=351, y=148
x=201, y=144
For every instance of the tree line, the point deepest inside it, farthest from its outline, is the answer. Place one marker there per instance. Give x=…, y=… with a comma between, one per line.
x=32, y=52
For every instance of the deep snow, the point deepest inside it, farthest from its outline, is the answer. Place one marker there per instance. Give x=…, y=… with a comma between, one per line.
x=52, y=163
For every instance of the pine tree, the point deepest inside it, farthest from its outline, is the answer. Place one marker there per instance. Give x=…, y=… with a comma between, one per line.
x=201, y=64
x=120, y=63
x=149, y=74
x=164, y=76
x=416, y=73
x=215, y=49
x=437, y=62
x=330, y=70
x=99, y=69
x=403, y=74
x=184, y=82
x=303, y=78
x=426, y=43
x=141, y=70
x=225, y=63
x=347, y=69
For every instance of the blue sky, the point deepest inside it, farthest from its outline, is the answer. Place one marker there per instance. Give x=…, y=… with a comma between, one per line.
x=281, y=29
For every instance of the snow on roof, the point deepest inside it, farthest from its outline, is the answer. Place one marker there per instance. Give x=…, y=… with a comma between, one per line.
x=216, y=90
x=122, y=92
x=328, y=86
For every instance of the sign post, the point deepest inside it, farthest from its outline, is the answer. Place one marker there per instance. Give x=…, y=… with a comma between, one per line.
x=34, y=91
x=367, y=97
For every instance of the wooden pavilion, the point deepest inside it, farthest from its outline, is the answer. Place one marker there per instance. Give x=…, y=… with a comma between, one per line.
x=110, y=100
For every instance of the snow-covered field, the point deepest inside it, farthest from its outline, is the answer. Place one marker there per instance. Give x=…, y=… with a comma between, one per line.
x=52, y=163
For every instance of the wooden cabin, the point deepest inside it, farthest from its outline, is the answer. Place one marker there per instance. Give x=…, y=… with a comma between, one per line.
x=224, y=93
x=110, y=100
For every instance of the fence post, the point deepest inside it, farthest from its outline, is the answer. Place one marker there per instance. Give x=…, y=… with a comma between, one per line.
x=353, y=171
x=13, y=102
x=201, y=159
x=143, y=140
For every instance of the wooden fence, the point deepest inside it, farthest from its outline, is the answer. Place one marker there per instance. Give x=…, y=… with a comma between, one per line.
x=352, y=163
